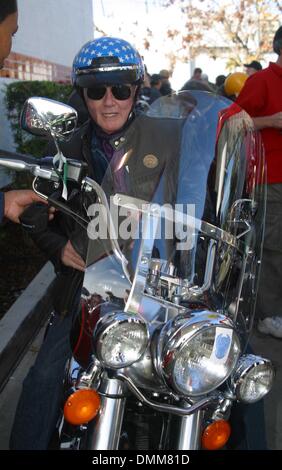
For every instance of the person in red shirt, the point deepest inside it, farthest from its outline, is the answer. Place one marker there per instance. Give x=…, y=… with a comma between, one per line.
x=261, y=98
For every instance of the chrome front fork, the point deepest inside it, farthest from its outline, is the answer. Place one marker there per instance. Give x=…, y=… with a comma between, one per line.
x=187, y=431
x=104, y=431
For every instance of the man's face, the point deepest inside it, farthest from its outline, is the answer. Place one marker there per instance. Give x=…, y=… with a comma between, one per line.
x=8, y=28
x=109, y=112
x=197, y=75
x=250, y=71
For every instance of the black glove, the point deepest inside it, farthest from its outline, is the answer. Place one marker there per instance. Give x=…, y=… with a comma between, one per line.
x=35, y=218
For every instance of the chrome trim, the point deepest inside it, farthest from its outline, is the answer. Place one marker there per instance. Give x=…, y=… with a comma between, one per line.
x=112, y=387
x=150, y=226
x=185, y=291
x=181, y=330
x=110, y=322
x=241, y=283
x=189, y=431
x=245, y=364
x=72, y=372
x=43, y=116
x=202, y=403
x=222, y=411
x=238, y=204
x=38, y=192
x=103, y=433
x=90, y=378
x=36, y=170
x=143, y=373
x=248, y=229
x=172, y=308
x=208, y=271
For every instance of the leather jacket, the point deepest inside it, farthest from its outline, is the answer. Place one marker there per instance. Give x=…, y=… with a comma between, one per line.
x=150, y=155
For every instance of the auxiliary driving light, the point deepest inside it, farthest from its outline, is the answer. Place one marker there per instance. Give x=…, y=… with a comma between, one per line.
x=120, y=339
x=252, y=379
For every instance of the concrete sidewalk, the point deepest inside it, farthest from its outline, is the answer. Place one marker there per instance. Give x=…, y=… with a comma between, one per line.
x=22, y=321
x=11, y=392
x=21, y=333
x=271, y=348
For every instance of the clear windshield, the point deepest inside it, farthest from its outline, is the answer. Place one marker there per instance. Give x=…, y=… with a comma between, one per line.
x=186, y=206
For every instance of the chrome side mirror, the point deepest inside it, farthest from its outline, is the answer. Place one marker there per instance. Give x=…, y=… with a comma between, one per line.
x=49, y=118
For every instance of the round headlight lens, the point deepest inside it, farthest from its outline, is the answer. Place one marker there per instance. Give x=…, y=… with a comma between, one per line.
x=198, y=353
x=255, y=381
x=206, y=361
x=121, y=340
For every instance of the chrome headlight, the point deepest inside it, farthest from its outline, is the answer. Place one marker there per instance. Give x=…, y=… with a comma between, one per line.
x=120, y=339
x=198, y=353
x=253, y=378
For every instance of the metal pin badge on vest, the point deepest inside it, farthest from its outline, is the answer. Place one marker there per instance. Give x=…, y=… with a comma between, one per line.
x=150, y=161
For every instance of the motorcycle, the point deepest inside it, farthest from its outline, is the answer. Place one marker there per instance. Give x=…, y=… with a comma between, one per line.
x=175, y=231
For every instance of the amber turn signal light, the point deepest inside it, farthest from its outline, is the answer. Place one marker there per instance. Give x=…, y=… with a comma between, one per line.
x=216, y=435
x=81, y=406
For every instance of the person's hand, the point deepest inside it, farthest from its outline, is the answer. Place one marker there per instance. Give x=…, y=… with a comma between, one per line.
x=273, y=121
x=71, y=258
x=277, y=120
x=16, y=201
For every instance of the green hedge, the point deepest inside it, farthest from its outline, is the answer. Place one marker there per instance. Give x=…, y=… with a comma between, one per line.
x=16, y=95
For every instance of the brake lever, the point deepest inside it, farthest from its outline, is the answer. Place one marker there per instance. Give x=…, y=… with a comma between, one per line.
x=66, y=210
x=76, y=173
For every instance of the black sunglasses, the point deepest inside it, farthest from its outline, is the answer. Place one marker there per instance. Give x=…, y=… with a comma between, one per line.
x=120, y=92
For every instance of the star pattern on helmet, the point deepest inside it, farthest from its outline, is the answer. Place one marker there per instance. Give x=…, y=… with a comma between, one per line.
x=106, y=47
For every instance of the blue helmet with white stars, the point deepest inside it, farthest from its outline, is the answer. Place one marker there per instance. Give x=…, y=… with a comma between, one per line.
x=109, y=61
